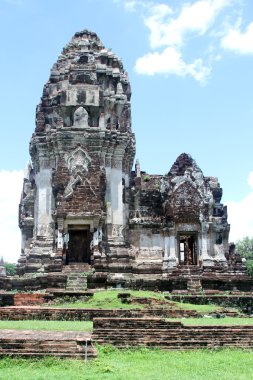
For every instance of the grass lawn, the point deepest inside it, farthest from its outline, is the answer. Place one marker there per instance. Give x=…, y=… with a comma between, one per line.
x=138, y=364
x=199, y=308
x=87, y=325
x=47, y=325
x=108, y=299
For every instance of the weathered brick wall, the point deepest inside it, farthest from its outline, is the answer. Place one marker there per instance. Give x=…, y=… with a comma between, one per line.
x=73, y=314
x=50, y=280
x=153, y=332
x=239, y=300
x=70, y=314
x=67, y=344
x=22, y=299
x=87, y=196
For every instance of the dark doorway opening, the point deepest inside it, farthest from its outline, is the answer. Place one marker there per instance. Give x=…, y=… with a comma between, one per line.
x=79, y=246
x=188, y=250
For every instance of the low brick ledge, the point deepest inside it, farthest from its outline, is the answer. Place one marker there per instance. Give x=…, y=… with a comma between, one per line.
x=53, y=313
x=156, y=332
x=70, y=314
x=34, y=343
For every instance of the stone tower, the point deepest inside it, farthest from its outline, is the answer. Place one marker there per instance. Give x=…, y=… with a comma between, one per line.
x=82, y=203
x=74, y=194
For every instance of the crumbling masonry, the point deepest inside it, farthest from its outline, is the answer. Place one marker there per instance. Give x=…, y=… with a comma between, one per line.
x=81, y=203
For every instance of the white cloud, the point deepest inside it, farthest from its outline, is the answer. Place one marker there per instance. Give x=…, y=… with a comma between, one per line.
x=157, y=25
x=240, y=215
x=176, y=31
x=250, y=179
x=10, y=192
x=131, y=5
x=239, y=42
x=170, y=62
x=172, y=31
x=193, y=18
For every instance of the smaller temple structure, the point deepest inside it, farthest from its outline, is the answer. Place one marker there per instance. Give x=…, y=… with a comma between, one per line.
x=82, y=203
x=179, y=216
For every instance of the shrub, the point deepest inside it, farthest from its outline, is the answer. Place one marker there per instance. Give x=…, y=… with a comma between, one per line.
x=11, y=269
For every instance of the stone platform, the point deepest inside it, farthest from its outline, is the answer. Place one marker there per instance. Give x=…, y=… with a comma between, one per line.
x=34, y=343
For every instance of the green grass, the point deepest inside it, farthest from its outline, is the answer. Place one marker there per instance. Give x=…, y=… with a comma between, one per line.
x=47, y=325
x=214, y=321
x=138, y=364
x=108, y=299
x=87, y=325
x=199, y=308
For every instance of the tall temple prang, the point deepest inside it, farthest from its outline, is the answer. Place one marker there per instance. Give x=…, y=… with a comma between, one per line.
x=82, y=203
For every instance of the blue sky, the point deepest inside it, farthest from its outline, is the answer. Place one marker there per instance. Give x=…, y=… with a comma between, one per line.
x=190, y=67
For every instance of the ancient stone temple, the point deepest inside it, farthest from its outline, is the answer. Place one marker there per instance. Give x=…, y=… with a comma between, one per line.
x=82, y=203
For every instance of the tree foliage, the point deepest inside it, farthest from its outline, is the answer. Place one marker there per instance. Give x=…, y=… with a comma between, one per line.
x=10, y=269
x=245, y=248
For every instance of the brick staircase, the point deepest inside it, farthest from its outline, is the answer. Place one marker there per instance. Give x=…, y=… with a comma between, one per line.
x=154, y=332
x=28, y=343
x=76, y=276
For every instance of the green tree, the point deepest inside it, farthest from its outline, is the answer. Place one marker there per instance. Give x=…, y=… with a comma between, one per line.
x=10, y=269
x=245, y=248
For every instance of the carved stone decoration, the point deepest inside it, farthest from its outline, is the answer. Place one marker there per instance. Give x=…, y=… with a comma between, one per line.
x=80, y=118
x=184, y=203
x=78, y=164
x=59, y=240
x=108, y=161
x=117, y=230
x=117, y=163
x=186, y=194
x=96, y=243
x=2, y=268
x=44, y=230
x=73, y=182
x=219, y=252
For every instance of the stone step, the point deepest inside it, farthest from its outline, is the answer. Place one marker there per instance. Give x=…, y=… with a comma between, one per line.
x=153, y=332
x=30, y=343
x=76, y=268
x=76, y=282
